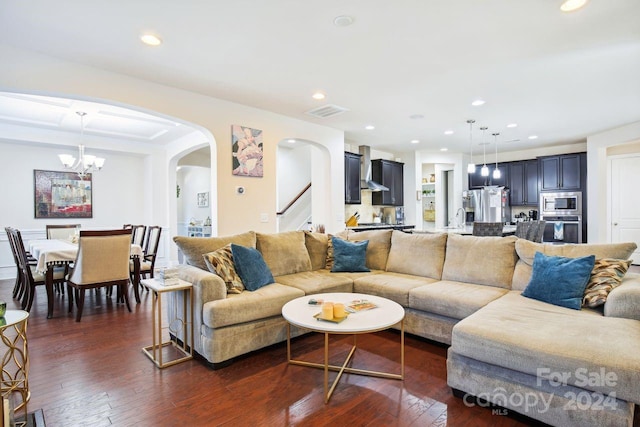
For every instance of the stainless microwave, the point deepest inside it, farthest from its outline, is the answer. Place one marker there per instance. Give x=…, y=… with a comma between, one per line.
x=565, y=203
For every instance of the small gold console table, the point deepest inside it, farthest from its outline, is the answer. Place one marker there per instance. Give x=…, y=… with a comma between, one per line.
x=185, y=349
x=14, y=378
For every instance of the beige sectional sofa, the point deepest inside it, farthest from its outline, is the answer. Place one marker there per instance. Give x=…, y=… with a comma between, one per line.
x=458, y=290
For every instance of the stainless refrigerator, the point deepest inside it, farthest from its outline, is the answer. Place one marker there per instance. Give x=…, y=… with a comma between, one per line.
x=491, y=204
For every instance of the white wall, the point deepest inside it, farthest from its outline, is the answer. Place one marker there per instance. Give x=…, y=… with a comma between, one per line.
x=29, y=72
x=192, y=180
x=597, y=176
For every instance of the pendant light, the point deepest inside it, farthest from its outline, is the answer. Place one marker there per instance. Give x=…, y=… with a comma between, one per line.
x=485, y=170
x=471, y=167
x=496, y=171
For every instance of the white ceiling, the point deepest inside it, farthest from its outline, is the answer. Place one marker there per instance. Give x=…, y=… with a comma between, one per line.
x=559, y=76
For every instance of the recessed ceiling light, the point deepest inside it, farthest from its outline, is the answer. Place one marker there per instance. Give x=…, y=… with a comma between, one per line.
x=318, y=95
x=415, y=141
x=291, y=141
x=342, y=21
x=533, y=137
x=151, y=40
x=444, y=149
x=512, y=125
x=478, y=102
x=571, y=5
x=416, y=116
x=448, y=132
x=369, y=127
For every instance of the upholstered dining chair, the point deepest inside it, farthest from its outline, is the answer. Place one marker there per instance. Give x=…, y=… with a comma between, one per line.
x=487, y=228
x=30, y=277
x=61, y=231
x=536, y=231
x=522, y=229
x=137, y=233
x=102, y=261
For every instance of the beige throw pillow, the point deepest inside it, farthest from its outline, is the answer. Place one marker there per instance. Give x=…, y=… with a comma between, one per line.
x=606, y=275
x=220, y=262
x=285, y=253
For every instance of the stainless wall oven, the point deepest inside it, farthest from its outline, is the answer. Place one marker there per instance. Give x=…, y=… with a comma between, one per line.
x=563, y=214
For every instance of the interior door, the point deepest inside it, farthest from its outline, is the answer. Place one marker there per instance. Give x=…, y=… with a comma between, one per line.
x=625, y=202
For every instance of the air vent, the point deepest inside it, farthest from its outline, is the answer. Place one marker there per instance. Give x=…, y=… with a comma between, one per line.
x=325, y=111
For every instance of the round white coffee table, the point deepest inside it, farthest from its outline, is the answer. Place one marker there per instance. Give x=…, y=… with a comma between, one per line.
x=386, y=314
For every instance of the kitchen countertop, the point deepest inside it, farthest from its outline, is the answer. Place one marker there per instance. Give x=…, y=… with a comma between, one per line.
x=466, y=230
x=376, y=226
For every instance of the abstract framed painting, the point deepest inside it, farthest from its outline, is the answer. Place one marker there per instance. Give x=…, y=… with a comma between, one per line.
x=246, y=147
x=62, y=195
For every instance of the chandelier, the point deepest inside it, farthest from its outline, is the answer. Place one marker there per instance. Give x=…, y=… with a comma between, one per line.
x=85, y=163
x=484, y=171
x=471, y=167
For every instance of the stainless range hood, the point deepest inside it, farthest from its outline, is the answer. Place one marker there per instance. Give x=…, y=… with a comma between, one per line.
x=367, y=183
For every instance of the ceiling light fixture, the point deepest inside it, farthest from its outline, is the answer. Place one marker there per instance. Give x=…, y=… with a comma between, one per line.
x=512, y=125
x=86, y=163
x=444, y=149
x=151, y=40
x=448, y=132
x=342, y=21
x=471, y=167
x=369, y=127
x=484, y=171
x=415, y=141
x=478, y=102
x=571, y=5
x=496, y=171
x=533, y=137
x=291, y=141
x=318, y=95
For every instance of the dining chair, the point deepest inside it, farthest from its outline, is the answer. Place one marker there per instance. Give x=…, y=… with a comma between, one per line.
x=150, y=249
x=137, y=233
x=102, y=261
x=30, y=276
x=61, y=231
x=487, y=228
x=18, y=287
x=536, y=231
x=522, y=229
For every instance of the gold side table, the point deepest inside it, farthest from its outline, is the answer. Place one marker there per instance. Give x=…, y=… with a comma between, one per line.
x=185, y=349
x=14, y=378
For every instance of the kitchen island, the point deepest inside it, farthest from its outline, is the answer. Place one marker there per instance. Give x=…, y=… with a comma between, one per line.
x=467, y=230
x=380, y=226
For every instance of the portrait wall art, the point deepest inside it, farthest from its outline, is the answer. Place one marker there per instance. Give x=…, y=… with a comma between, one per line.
x=62, y=195
x=246, y=151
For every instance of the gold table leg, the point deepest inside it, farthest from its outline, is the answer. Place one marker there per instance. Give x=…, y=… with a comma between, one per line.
x=343, y=368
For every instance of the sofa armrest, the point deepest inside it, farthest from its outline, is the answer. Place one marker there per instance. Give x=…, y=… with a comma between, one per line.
x=207, y=286
x=624, y=300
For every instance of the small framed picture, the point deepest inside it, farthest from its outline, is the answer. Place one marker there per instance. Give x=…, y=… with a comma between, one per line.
x=203, y=200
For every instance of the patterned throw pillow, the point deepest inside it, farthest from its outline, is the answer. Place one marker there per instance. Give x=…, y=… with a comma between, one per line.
x=329, y=261
x=220, y=262
x=606, y=275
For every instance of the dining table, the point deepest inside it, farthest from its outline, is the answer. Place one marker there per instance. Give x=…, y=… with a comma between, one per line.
x=51, y=253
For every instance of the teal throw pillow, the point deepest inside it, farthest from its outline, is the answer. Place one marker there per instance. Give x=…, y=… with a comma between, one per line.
x=349, y=256
x=559, y=280
x=251, y=267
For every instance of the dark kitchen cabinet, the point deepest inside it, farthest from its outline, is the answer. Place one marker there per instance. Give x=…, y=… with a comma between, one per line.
x=562, y=172
x=391, y=175
x=352, y=178
x=476, y=180
x=523, y=183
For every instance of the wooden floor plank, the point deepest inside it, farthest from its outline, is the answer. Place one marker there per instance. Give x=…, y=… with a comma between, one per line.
x=94, y=373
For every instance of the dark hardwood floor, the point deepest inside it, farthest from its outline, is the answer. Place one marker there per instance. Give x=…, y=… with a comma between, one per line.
x=94, y=373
